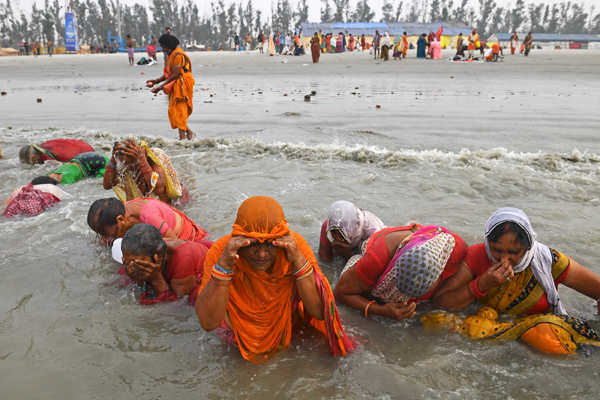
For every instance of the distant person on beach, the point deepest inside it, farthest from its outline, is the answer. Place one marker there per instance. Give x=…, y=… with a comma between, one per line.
x=260, y=281
x=137, y=170
x=261, y=43
x=422, y=46
x=351, y=43
x=61, y=150
x=527, y=43
x=130, y=45
x=50, y=48
x=178, y=84
x=345, y=229
x=111, y=219
x=315, y=48
x=460, y=51
x=34, y=198
x=514, y=43
x=363, y=42
x=404, y=44
x=151, y=48
x=84, y=165
x=376, y=43
x=386, y=43
x=401, y=266
x=167, y=269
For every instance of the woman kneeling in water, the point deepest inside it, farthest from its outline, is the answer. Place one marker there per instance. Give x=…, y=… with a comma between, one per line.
x=111, y=219
x=344, y=230
x=399, y=269
x=171, y=269
x=514, y=274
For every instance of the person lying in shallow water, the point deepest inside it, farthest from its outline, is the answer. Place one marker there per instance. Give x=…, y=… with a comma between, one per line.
x=35, y=198
x=168, y=269
x=344, y=230
x=136, y=170
x=111, y=219
x=61, y=150
x=401, y=266
x=84, y=165
x=262, y=280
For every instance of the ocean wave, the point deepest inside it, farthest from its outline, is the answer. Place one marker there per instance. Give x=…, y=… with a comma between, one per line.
x=582, y=162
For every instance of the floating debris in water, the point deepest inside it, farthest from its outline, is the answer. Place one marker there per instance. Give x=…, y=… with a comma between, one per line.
x=307, y=97
x=291, y=114
x=39, y=100
x=313, y=92
x=378, y=106
x=3, y=93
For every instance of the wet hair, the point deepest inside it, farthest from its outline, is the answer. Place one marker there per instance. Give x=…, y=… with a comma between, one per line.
x=510, y=227
x=104, y=212
x=143, y=240
x=40, y=180
x=169, y=41
x=25, y=153
x=404, y=33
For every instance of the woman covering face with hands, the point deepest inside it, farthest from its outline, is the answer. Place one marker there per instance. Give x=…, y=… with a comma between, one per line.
x=513, y=273
x=167, y=270
x=262, y=279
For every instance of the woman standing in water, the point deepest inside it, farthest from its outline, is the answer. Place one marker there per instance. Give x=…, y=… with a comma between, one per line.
x=178, y=84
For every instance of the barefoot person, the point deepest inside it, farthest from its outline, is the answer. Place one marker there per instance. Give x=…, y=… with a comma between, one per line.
x=263, y=279
x=130, y=44
x=178, y=83
x=167, y=270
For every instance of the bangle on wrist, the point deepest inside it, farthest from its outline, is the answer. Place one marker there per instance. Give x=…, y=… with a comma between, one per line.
x=474, y=288
x=367, y=308
x=222, y=274
x=304, y=271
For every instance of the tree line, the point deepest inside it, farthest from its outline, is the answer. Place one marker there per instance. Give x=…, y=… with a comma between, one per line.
x=94, y=17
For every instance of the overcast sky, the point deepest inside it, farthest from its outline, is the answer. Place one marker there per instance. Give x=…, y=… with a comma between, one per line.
x=314, y=6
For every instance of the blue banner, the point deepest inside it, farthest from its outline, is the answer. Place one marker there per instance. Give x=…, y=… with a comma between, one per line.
x=71, y=32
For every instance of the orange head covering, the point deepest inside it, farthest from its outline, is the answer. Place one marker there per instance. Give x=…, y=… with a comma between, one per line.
x=262, y=304
x=261, y=218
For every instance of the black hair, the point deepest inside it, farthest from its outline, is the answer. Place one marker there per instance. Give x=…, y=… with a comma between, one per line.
x=404, y=33
x=104, y=212
x=168, y=41
x=143, y=240
x=40, y=180
x=510, y=227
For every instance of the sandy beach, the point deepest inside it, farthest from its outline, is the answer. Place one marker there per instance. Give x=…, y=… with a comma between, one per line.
x=449, y=144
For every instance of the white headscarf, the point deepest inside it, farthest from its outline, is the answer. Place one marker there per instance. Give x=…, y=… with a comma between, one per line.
x=538, y=257
x=354, y=223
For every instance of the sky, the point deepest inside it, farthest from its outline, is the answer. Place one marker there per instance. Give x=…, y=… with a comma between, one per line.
x=314, y=6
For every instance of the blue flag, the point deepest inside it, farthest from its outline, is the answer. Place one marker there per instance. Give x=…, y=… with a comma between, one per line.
x=71, y=32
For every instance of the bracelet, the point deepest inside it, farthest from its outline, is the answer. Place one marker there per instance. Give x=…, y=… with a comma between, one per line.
x=301, y=270
x=221, y=273
x=474, y=288
x=306, y=274
x=367, y=307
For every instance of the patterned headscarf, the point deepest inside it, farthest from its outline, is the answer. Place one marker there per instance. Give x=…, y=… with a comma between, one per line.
x=538, y=257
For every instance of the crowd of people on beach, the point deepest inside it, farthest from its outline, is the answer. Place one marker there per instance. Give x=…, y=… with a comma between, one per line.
x=258, y=284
